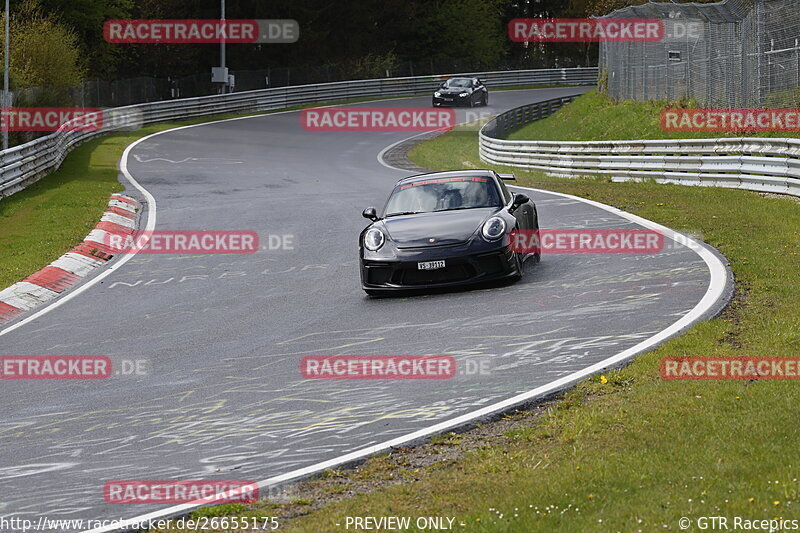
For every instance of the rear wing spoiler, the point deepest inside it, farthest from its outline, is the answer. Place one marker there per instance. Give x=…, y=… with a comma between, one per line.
x=507, y=177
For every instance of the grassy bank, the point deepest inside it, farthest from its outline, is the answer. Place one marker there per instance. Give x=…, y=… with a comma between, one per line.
x=595, y=117
x=630, y=452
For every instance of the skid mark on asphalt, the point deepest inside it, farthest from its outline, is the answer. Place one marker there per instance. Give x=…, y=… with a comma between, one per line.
x=204, y=160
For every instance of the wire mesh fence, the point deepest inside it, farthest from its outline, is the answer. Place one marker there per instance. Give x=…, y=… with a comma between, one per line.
x=729, y=54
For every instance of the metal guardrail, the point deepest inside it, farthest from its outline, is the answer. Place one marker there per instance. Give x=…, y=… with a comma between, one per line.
x=24, y=164
x=500, y=126
x=756, y=164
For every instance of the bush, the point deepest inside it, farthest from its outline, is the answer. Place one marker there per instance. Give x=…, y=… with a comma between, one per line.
x=45, y=61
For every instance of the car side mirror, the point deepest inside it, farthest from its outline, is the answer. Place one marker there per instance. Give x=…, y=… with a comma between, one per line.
x=519, y=199
x=370, y=213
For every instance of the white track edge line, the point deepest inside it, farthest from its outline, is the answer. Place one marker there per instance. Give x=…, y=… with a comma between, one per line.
x=382, y=153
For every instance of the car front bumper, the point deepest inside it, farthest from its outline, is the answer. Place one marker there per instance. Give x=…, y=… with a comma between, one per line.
x=450, y=100
x=403, y=273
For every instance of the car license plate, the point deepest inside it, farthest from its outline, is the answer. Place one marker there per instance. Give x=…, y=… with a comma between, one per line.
x=448, y=99
x=430, y=265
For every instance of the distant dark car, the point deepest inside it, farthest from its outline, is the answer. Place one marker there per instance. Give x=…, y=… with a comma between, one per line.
x=461, y=92
x=445, y=229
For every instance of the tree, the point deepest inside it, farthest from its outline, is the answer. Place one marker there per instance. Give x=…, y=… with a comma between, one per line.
x=44, y=62
x=469, y=30
x=86, y=18
x=44, y=53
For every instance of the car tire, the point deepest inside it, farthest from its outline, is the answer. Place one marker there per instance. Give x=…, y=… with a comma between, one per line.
x=537, y=256
x=471, y=102
x=485, y=99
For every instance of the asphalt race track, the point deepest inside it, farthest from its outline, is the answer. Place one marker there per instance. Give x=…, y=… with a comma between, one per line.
x=224, y=334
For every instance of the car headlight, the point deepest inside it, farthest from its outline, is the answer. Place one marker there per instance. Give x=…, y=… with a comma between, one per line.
x=437, y=94
x=493, y=229
x=374, y=239
x=462, y=95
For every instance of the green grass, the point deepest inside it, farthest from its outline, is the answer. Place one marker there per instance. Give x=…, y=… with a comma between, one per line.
x=595, y=117
x=51, y=216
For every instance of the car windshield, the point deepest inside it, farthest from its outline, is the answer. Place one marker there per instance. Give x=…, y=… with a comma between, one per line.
x=457, y=82
x=443, y=194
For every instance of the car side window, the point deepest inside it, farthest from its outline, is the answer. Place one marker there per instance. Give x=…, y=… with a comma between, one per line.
x=506, y=192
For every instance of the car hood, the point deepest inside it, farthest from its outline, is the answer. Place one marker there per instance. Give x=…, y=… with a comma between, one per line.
x=455, y=90
x=444, y=227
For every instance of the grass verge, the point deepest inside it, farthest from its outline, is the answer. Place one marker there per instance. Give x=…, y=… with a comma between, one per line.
x=629, y=451
x=595, y=117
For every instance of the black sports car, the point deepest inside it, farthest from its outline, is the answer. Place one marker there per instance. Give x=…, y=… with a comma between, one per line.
x=461, y=91
x=444, y=229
